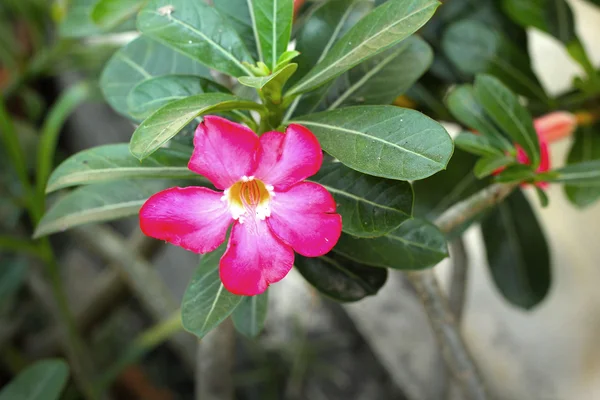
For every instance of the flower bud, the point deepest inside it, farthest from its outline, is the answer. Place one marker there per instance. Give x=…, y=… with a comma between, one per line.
x=555, y=126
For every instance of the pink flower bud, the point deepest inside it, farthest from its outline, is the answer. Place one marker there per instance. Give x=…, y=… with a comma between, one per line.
x=555, y=126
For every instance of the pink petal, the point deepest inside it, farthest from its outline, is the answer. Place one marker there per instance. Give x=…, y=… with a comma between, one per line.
x=286, y=159
x=254, y=259
x=556, y=125
x=194, y=218
x=305, y=217
x=223, y=151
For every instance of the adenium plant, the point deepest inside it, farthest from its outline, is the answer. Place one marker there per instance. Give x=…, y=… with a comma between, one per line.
x=260, y=134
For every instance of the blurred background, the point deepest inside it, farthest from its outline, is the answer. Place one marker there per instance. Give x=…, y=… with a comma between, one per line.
x=312, y=348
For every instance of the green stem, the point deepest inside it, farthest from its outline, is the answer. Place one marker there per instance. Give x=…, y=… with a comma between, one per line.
x=10, y=243
x=144, y=343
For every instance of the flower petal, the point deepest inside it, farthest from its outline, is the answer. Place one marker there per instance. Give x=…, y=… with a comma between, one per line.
x=305, y=217
x=223, y=151
x=194, y=218
x=286, y=159
x=254, y=259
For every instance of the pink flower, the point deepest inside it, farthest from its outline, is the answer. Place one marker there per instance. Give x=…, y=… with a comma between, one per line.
x=273, y=212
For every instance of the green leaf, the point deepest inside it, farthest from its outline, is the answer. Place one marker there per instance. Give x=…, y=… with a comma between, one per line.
x=114, y=162
x=542, y=196
x=272, y=21
x=551, y=16
x=97, y=203
x=477, y=144
x=516, y=173
x=13, y=272
x=369, y=206
x=436, y=194
x=237, y=14
x=416, y=244
x=487, y=165
x=330, y=21
x=504, y=109
x=586, y=173
x=140, y=60
x=78, y=22
x=387, y=25
x=340, y=278
x=149, y=95
x=474, y=47
x=250, y=315
x=44, y=380
x=586, y=147
x=385, y=141
x=465, y=107
x=383, y=78
x=271, y=86
x=197, y=30
x=206, y=303
x=517, y=252
x=110, y=13
x=165, y=123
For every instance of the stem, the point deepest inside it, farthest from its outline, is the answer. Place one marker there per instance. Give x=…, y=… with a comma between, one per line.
x=10, y=243
x=214, y=366
x=444, y=324
x=458, y=281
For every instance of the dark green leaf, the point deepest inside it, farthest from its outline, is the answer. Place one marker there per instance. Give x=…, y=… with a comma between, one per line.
x=272, y=20
x=474, y=48
x=151, y=94
x=586, y=173
x=385, y=141
x=237, y=14
x=487, y=165
x=110, y=13
x=340, y=278
x=165, y=123
x=206, y=303
x=97, y=203
x=387, y=25
x=551, y=16
x=516, y=173
x=416, y=244
x=250, y=315
x=466, y=108
x=541, y=193
x=517, y=252
x=43, y=380
x=382, y=78
x=140, y=60
x=197, y=30
x=114, y=161
x=369, y=206
x=13, y=271
x=477, y=144
x=503, y=107
x=586, y=147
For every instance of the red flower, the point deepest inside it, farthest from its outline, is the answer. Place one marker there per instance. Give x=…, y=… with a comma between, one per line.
x=273, y=212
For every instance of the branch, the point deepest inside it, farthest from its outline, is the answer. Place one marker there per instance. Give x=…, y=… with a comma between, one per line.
x=444, y=324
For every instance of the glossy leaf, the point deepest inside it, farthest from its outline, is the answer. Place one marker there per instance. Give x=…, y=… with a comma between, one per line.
x=517, y=252
x=43, y=380
x=271, y=86
x=197, y=30
x=237, y=14
x=341, y=278
x=387, y=25
x=369, y=206
x=165, y=123
x=330, y=21
x=206, y=303
x=504, y=109
x=384, y=141
x=586, y=147
x=272, y=21
x=149, y=95
x=465, y=107
x=586, y=173
x=416, y=244
x=551, y=16
x=13, y=271
x=98, y=203
x=383, y=78
x=114, y=162
x=250, y=315
x=78, y=22
x=140, y=60
x=487, y=165
x=477, y=144
x=110, y=13
x=473, y=47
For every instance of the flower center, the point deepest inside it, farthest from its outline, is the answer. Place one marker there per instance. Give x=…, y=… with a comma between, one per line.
x=249, y=198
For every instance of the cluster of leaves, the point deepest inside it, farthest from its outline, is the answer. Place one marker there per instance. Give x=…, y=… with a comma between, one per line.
x=352, y=59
